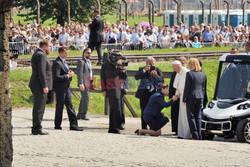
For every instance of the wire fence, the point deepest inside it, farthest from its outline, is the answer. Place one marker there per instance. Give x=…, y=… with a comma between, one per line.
x=27, y=49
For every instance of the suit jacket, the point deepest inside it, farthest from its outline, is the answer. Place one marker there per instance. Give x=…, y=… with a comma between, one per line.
x=147, y=81
x=41, y=71
x=194, y=86
x=61, y=81
x=83, y=73
x=96, y=30
x=205, y=100
x=172, y=90
x=112, y=80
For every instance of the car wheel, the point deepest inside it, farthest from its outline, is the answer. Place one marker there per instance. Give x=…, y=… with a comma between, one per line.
x=243, y=130
x=207, y=136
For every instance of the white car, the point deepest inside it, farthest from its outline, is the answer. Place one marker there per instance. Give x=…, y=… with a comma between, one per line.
x=228, y=114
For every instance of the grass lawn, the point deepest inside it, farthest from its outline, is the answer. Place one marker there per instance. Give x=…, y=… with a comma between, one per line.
x=153, y=51
x=21, y=95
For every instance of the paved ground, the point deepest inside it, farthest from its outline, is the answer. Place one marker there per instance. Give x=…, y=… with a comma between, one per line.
x=95, y=147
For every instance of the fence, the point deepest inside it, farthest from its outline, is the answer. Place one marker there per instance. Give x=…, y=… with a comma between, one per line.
x=130, y=73
x=25, y=49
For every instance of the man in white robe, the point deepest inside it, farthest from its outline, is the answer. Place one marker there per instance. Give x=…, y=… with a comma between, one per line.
x=179, y=85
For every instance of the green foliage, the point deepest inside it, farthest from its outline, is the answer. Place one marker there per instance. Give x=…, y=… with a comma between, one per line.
x=21, y=95
x=80, y=10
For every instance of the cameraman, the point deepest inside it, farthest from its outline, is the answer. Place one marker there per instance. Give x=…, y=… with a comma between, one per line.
x=150, y=77
x=113, y=75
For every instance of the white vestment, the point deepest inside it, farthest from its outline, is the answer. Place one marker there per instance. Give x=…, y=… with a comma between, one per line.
x=179, y=84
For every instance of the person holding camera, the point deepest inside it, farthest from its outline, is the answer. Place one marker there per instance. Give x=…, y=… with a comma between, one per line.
x=150, y=77
x=113, y=75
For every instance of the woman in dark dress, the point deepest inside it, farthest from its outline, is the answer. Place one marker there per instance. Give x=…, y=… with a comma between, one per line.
x=152, y=113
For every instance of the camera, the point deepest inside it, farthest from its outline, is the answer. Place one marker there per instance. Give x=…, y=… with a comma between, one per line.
x=112, y=57
x=152, y=67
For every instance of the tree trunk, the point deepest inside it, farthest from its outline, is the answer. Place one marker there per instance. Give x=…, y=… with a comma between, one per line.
x=6, y=149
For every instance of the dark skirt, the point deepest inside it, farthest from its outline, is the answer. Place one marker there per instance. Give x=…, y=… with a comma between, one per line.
x=155, y=123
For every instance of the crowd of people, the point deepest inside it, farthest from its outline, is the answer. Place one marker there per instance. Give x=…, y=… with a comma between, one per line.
x=77, y=35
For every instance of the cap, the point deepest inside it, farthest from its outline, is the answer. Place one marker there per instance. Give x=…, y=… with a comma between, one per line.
x=176, y=62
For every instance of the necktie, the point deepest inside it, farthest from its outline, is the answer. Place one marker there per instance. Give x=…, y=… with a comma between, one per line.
x=66, y=65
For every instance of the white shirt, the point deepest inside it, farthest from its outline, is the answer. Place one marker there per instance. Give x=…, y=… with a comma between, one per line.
x=150, y=37
x=121, y=36
x=110, y=35
x=13, y=64
x=173, y=36
x=80, y=41
x=165, y=40
x=134, y=36
x=63, y=38
x=185, y=31
x=128, y=37
x=216, y=32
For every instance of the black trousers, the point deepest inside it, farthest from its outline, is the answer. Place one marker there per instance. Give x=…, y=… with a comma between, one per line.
x=122, y=109
x=143, y=104
x=39, y=104
x=114, y=114
x=98, y=46
x=64, y=98
x=194, y=117
x=175, y=115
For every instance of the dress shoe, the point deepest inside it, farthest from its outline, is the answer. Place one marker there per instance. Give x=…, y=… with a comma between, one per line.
x=99, y=64
x=86, y=119
x=122, y=127
x=114, y=131
x=39, y=133
x=58, y=128
x=76, y=129
x=137, y=132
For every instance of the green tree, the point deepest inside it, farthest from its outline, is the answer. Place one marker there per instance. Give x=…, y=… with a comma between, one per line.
x=80, y=10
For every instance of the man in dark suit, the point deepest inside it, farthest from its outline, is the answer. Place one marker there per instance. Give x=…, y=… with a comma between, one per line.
x=62, y=77
x=85, y=81
x=96, y=37
x=40, y=84
x=176, y=105
x=112, y=77
x=150, y=77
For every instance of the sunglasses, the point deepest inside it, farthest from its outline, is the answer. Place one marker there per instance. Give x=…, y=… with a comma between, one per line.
x=88, y=52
